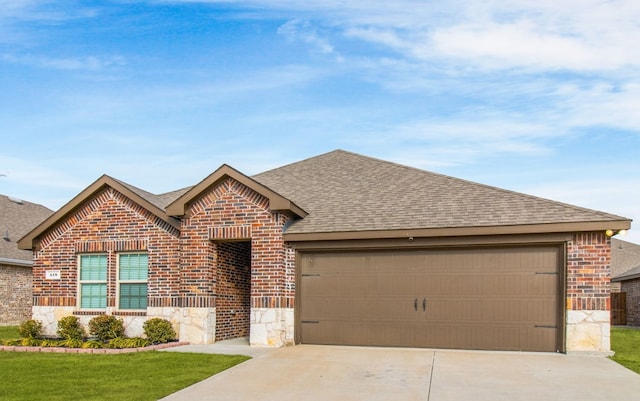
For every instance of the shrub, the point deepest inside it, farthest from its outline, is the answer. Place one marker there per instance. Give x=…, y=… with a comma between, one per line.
x=159, y=330
x=30, y=329
x=106, y=327
x=69, y=328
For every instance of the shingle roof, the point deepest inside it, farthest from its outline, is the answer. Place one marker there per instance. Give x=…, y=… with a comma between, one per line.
x=625, y=259
x=17, y=218
x=346, y=192
x=161, y=201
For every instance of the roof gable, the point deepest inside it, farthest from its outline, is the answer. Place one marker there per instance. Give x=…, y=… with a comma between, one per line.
x=349, y=193
x=150, y=202
x=277, y=202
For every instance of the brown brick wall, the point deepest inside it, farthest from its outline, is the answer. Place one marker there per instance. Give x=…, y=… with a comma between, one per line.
x=233, y=289
x=15, y=294
x=588, y=267
x=632, y=288
x=109, y=223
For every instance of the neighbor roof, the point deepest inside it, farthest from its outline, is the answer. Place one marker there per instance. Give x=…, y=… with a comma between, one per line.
x=625, y=260
x=347, y=192
x=18, y=217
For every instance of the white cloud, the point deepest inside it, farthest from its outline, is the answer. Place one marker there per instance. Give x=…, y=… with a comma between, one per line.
x=303, y=30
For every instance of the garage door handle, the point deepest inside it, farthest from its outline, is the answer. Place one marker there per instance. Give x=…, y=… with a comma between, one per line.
x=415, y=304
x=424, y=304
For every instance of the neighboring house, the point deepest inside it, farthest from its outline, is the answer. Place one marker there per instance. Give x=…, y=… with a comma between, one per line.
x=625, y=273
x=336, y=249
x=17, y=218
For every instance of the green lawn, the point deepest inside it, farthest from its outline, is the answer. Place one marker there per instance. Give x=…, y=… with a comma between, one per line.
x=134, y=376
x=626, y=344
x=9, y=332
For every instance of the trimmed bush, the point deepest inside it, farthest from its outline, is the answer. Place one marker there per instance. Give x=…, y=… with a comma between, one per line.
x=106, y=328
x=69, y=328
x=30, y=329
x=159, y=331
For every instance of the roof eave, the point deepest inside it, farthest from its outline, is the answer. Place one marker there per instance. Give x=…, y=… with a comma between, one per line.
x=277, y=202
x=462, y=231
x=70, y=207
x=16, y=262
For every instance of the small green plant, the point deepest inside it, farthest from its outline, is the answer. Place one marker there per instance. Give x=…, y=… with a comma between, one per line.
x=30, y=329
x=159, y=331
x=69, y=328
x=13, y=342
x=106, y=327
x=134, y=342
x=30, y=342
x=93, y=344
x=72, y=343
x=52, y=343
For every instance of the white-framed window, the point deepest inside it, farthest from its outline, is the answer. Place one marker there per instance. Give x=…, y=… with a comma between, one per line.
x=93, y=281
x=133, y=269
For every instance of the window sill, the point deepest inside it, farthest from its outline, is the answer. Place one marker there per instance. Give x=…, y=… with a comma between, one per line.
x=130, y=313
x=89, y=312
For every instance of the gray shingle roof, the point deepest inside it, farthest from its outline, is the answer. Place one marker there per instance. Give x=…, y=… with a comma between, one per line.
x=625, y=259
x=346, y=192
x=160, y=201
x=17, y=219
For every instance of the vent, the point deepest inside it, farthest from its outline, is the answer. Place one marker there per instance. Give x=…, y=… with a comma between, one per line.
x=16, y=200
x=6, y=236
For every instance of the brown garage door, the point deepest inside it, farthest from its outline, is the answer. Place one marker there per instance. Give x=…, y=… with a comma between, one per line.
x=483, y=298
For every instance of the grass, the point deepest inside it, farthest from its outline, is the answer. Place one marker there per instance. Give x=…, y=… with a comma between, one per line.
x=9, y=332
x=135, y=376
x=626, y=345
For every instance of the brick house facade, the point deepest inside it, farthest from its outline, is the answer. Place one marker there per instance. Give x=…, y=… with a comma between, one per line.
x=223, y=255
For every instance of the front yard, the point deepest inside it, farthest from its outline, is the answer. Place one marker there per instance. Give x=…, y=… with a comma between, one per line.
x=133, y=376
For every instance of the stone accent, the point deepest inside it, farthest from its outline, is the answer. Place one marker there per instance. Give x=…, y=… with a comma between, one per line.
x=15, y=293
x=272, y=327
x=49, y=316
x=588, y=293
x=632, y=288
x=588, y=331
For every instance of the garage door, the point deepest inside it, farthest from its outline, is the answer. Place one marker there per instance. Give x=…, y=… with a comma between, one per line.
x=484, y=298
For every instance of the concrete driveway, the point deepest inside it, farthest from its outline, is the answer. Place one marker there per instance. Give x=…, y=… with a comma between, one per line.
x=308, y=372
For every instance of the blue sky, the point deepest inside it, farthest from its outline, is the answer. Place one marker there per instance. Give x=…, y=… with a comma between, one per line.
x=540, y=97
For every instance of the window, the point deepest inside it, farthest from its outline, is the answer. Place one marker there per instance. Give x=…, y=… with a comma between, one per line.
x=93, y=281
x=132, y=280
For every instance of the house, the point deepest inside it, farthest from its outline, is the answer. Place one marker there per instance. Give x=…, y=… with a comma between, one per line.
x=17, y=217
x=625, y=273
x=336, y=249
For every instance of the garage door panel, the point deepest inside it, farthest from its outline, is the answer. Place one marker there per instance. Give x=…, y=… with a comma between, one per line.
x=482, y=298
